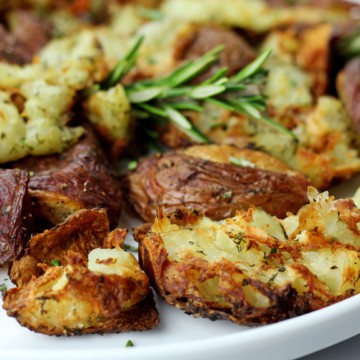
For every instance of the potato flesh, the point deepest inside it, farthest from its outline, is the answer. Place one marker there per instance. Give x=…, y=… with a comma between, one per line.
x=109, y=112
x=113, y=262
x=65, y=300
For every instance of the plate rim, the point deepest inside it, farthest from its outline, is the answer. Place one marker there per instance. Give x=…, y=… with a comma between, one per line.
x=284, y=333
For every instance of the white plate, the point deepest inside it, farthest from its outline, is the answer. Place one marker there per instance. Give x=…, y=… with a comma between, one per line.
x=179, y=336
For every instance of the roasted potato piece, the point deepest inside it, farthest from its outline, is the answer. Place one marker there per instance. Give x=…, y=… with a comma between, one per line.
x=335, y=221
x=73, y=300
x=203, y=178
x=306, y=50
x=92, y=287
x=79, y=178
x=16, y=220
x=245, y=269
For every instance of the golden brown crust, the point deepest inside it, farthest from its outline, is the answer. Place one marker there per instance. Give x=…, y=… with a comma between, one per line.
x=177, y=284
x=79, y=234
x=218, y=189
x=88, y=303
x=218, y=289
x=75, y=279
x=245, y=270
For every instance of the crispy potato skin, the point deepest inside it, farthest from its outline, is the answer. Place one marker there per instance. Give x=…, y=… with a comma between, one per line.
x=89, y=303
x=67, y=242
x=96, y=288
x=77, y=179
x=216, y=188
x=16, y=220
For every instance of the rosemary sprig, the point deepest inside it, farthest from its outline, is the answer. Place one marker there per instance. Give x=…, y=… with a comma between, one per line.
x=349, y=45
x=120, y=70
x=166, y=97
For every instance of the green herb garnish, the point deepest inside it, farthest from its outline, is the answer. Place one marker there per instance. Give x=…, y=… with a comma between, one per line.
x=166, y=98
x=132, y=165
x=241, y=162
x=55, y=262
x=120, y=70
x=227, y=195
x=129, y=343
x=129, y=247
x=3, y=288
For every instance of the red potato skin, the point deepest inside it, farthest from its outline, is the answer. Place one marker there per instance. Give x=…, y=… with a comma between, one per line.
x=16, y=221
x=175, y=181
x=349, y=88
x=80, y=178
x=27, y=39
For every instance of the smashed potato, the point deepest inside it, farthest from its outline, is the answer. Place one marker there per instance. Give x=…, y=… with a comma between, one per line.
x=254, y=268
x=75, y=279
x=203, y=177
